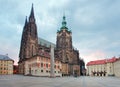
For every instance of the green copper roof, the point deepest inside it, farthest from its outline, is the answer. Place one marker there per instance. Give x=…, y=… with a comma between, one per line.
x=64, y=23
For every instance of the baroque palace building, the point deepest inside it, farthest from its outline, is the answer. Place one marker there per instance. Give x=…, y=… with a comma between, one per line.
x=34, y=55
x=105, y=67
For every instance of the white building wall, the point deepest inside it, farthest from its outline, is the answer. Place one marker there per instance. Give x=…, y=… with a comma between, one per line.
x=110, y=69
x=117, y=68
x=96, y=68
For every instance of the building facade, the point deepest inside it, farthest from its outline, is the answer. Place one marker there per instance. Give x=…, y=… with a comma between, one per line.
x=105, y=67
x=34, y=56
x=6, y=65
x=65, y=51
x=39, y=66
x=117, y=68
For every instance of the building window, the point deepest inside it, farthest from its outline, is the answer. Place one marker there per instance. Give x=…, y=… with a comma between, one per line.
x=58, y=66
x=41, y=64
x=32, y=50
x=41, y=70
x=55, y=66
x=35, y=71
x=46, y=71
x=47, y=65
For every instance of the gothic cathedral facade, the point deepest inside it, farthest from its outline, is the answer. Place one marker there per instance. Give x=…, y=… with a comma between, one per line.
x=31, y=49
x=29, y=41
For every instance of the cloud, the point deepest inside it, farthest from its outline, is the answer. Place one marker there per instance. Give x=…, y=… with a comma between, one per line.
x=94, y=24
x=94, y=55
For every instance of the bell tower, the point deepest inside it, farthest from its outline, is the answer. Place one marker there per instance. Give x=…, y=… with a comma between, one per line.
x=64, y=42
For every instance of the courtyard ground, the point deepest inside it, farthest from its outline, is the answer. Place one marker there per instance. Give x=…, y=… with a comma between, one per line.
x=82, y=81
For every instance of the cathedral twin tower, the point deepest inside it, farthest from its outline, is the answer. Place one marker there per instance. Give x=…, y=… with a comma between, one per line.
x=31, y=48
x=29, y=41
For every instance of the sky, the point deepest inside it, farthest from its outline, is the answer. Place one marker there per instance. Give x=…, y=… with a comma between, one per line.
x=95, y=25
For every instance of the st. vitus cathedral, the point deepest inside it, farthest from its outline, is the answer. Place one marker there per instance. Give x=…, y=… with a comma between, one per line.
x=33, y=47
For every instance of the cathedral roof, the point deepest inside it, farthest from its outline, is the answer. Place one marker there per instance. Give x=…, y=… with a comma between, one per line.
x=44, y=42
x=5, y=57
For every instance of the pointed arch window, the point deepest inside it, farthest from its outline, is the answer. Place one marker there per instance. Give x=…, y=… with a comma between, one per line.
x=32, y=50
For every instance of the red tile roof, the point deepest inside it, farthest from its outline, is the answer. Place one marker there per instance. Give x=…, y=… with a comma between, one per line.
x=112, y=60
x=104, y=61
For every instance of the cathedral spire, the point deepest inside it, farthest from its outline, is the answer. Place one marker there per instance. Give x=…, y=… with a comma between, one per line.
x=64, y=23
x=31, y=17
x=26, y=21
x=32, y=12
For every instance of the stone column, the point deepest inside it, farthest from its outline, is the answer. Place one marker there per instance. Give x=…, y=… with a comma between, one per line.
x=52, y=74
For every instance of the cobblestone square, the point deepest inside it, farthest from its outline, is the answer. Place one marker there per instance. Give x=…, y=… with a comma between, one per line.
x=83, y=81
